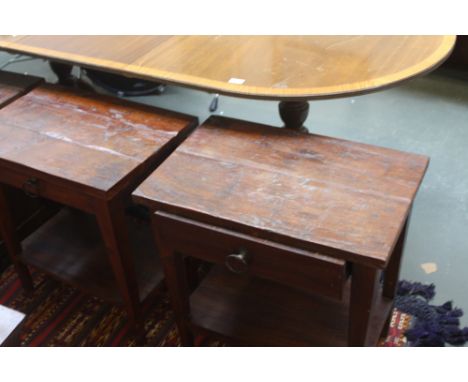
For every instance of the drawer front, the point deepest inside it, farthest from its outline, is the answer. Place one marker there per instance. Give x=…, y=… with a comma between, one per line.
x=37, y=185
x=245, y=254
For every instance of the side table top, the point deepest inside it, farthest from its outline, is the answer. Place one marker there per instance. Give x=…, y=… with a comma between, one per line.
x=91, y=140
x=268, y=67
x=332, y=196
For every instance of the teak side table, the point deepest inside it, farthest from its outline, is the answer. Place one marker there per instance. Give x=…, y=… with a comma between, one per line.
x=298, y=228
x=87, y=153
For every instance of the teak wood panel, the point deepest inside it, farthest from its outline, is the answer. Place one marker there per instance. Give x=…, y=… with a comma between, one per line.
x=321, y=194
x=94, y=142
x=13, y=86
x=271, y=67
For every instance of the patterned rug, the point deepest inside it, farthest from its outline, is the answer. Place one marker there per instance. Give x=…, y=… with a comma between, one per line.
x=58, y=315
x=399, y=324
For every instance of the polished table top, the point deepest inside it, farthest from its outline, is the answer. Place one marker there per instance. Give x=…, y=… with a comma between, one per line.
x=287, y=68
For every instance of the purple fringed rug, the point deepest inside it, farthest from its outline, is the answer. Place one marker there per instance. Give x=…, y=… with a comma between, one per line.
x=425, y=324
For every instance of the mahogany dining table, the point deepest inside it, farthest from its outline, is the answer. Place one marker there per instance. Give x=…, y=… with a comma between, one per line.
x=289, y=69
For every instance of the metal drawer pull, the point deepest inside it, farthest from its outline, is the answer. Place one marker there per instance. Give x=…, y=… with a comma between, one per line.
x=30, y=187
x=238, y=262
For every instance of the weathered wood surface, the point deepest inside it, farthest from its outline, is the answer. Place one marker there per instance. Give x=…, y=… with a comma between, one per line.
x=90, y=140
x=322, y=194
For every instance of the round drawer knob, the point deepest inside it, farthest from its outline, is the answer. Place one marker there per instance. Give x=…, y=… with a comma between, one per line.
x=238, y=262
x=30, y=187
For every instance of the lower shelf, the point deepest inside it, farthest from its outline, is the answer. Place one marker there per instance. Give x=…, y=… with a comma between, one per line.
x=259, y=312
x=69, y=247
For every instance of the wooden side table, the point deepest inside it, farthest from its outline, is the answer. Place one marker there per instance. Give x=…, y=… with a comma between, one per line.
x=87, y=153
x=299, y=228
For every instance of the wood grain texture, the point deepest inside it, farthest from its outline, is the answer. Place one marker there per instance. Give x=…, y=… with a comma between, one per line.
x=92, y=141
x=14, y=85
x=325, y=195
x=272, y=67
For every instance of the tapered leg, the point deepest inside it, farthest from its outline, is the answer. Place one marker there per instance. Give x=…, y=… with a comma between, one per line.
x=393, y=267
x=363, y=287
x=177, y=284
x=111, y=220
x=178, y=291
x=12, y=243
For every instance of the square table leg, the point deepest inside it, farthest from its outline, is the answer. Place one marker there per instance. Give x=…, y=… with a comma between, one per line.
x=363, y=288
x=393, y=268
x=110, y=216
x=175, y=273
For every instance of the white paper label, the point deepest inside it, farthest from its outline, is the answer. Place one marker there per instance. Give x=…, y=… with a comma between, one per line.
x=236, y=81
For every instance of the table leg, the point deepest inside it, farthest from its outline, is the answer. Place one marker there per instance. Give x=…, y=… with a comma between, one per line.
x=112, y=224
x=363, y=287
x=12, y=243
x=294, y=114
x=179, y=294
x=66, y=78
x=63, y=73
x=393, y=267
x=175, y=274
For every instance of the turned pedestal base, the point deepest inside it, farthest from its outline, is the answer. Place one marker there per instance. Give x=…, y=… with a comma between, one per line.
x=294, y=114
